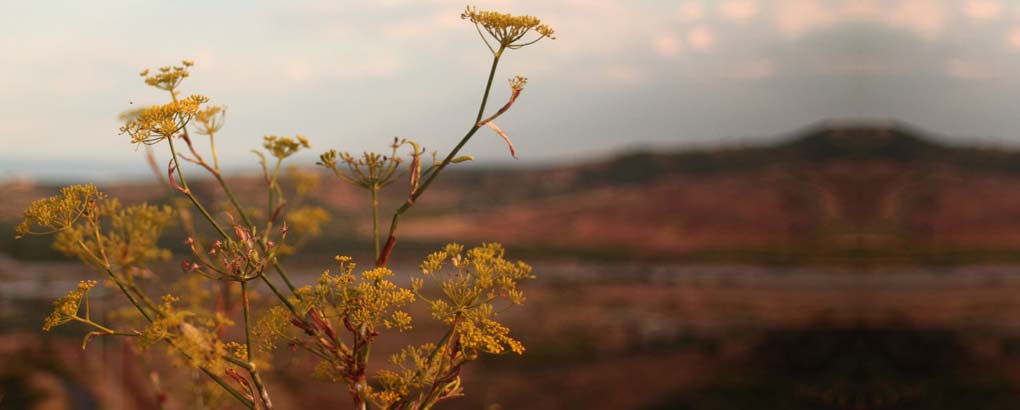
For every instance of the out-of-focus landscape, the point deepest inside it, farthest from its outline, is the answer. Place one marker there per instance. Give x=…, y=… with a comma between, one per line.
x=846, y=266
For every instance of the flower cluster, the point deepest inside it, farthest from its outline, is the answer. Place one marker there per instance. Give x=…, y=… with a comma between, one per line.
x=508, y=30
x=363, y=302
x=304, y=181
x=479, y=277
x=415, y=368
x=193, y=336
x=132, y=237
x=210, y=119
x=65, y=309
x=371, y=170
x=308, y=220
x=241, y=258
x=283, y=147
x=153, y=124
x=59, y=212
x=97, y=229
x=168, y=77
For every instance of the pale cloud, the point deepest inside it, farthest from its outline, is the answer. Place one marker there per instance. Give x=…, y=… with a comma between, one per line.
x=667, y=45
x=738, y=10
x=863, y=7
x=983, y=9
x=609, y=27
x=1014, y=38
x=304, y=72
x=690, y=12
x=796, y=17
x=378, y=67
x=701, y=38
x=424, y=28
x=925, y=17
x=623, y=74
x=298, y=71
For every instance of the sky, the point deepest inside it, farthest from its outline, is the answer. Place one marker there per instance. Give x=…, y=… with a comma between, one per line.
x=621, y=75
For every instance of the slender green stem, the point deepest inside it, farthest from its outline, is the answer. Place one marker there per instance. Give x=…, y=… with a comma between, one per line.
x=244, y=217
x=233, y=200
x=145, y=298
x=471, y=132
x=375, y=217
x=145, y=314
x=184, y=182
x=233, y=392
x=247, y=314
x=250, y=365
x=102, y=328
x=442, y=342
x=117, y=280
x=215, y=158
x=247, y=221
x=381, y=259
x=191, y=196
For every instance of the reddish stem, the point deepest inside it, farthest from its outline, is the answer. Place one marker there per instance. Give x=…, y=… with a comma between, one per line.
x=384, y=256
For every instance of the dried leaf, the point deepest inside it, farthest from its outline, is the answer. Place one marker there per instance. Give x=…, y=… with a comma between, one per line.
x=513, y=151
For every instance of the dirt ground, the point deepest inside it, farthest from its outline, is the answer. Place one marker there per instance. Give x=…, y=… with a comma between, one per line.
x=669, y=337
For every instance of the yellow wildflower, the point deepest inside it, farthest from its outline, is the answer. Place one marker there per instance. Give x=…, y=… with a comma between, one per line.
x=508, y=30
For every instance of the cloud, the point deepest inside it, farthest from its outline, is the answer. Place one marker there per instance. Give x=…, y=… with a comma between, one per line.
x=298, y=71
x=701, y=38
x=1014, y=38
x=423, y=28
x=983, y=9
x=738, y=10
x=378, y=67
x=690, y=12
x=796, y=17
x=925, y=17
x=623, y=74
x=667, y=45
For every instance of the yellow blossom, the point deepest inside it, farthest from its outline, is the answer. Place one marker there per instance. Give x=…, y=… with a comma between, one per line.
x=168, y=77
x=158, y=122
x=66, y=308
x=283, y=147
x=508, y=30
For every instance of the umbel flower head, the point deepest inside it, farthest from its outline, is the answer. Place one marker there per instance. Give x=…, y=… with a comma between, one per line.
x=66, y=308
x=210, y=119
x=508, y=30
x=371, y=170
x=60, y=212
x=158, y=122
x=168, y=77
x=283, y=147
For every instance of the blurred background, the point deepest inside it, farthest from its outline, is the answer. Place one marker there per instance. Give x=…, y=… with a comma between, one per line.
x=733, y=204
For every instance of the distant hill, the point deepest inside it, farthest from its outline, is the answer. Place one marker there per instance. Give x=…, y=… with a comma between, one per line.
x=831, y=194
x=868, y=194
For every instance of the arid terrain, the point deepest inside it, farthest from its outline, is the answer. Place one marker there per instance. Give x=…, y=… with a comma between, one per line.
x=840, y=268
